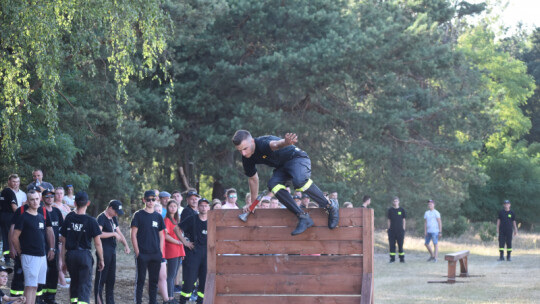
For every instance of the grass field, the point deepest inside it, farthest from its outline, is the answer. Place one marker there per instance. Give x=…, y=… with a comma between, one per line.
x=497, y=282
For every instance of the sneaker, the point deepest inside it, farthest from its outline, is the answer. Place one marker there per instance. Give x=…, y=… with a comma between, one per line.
x=402, y=261
x=434, y=260
x=430, y=259
x=177, y=289
x=63, y=286
x=333, y=213
x=508, y=259
x=8, y=263
x=500, y=259
x=304, y=222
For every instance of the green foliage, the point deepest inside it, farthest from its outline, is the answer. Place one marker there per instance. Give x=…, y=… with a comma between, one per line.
x=455, y=227
x=487, y=231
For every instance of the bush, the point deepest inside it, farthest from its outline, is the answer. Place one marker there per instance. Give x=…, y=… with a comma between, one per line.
x=487, y=231
x=456, y=227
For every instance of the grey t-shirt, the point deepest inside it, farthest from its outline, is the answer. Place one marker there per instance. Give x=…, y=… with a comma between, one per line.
x=431, y=217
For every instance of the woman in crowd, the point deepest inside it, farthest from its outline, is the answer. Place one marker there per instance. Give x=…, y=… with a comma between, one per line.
x=174, y=250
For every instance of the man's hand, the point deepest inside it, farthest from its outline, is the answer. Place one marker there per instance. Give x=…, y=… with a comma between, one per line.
x=101, y=265
x=127, y=250
x=189, y=245
x=246, y=209
x=290, y=139
x=50, y=255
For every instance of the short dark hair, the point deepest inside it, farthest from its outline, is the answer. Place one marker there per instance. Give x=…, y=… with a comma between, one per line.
x=13, y=176
x=32, y=191
x=229, y=191
x=365, y=198
x=176, y=191
x=240, y=136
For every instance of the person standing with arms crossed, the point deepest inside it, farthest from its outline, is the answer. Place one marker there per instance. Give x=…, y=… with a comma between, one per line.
x=76, y=237
x=290, y=163
x=110, y=233
x=432, y=230
x=147, y=239
x=506, y=227
x=396, y=229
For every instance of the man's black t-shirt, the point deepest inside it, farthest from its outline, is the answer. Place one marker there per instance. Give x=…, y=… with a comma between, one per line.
x=149, y=226
x=20, y=211
x=33, y=233
x=187, y=212
x=263, y=154
x=56, y=218
x=7, y=198
x=195, y=230
x=396, y=216
x=108, y=225
x=507, y=219
x=79, y=230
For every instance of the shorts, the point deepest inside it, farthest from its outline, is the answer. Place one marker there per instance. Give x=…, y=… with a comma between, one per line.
x=34, y=269
x=432, y=236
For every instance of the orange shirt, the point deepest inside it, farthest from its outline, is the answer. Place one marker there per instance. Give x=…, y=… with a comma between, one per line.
x=172, y=250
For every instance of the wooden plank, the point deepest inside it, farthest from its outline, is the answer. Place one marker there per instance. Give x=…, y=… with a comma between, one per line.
x=289, y=284
x=284, y=234
x=210, y=289
x=367, y=288
x=283, y=217
x=367, y=241
x=211, y=242
x=289, y=264
x=289, y=247
x=456, y=255
x=281, y=299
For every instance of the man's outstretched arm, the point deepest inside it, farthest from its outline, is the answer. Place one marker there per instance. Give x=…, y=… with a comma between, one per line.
x=290, y=139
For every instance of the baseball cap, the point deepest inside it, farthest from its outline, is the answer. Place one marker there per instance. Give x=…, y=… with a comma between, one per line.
x=117, y=206
x=430, y=201
x=204, y=200
x=149, y=193
x=506, y=201
x=81, y=196
x=296, y=197
x=47, y=191
x=191, y=193
x=164, y=194
x=35, y=188
x=6, y=269
x=305, y=195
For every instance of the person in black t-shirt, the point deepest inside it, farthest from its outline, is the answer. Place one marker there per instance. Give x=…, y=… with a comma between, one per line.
x=506, y=227
x=108, y=223
x=192, y=232
x=8, y=205
x=147, y=240
x=291, y=164
x=56, y=218
x=192, y=198
x=366, y=201
x=396, y=229
x=76, y=237
x=29, y=236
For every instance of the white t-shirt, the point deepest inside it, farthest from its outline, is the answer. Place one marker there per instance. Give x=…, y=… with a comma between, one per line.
x=431, y=217
x=21, y=197
x=229, y=206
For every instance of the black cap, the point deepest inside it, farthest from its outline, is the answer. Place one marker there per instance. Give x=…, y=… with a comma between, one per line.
x=296, y=197
x=506, y=202
x=47, y=191
x=81, y=196
x=304, y=195
x=149, y=193
x=117, y=206
x=8, y=270
x=204, y=200
x=191, y=193
x=35, y=188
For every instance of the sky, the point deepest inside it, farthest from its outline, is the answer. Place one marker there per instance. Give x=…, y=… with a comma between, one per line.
x=526, y=11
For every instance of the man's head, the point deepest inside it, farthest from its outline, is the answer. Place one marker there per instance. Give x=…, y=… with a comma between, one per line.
x=177, y=196
x=203, y=205
x=4, y=271
x=14, y=182
x=274, y=202
x=59, y=194
x=33, y=198
x=37, y=175
x=244, y=143
x=232, y=196
x=115, y=207
x=507, y=205
x=149, y=199
x=431, y=204
x=81, y=199
x=48, y=197
x=333, y=195
x=265, y=204
x=192, y=198
x=164, y=198
x=366, y=200
x=297, y=199
x=395, y=201
x=348, y=205
x=305, y=199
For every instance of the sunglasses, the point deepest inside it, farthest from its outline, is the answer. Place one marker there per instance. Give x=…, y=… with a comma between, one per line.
x=150, y=199
x=232, y=196
x=49, y=196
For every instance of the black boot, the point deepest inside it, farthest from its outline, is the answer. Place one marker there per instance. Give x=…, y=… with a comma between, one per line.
x=200, y=300
x=333, y=214
x=402, y=259
x=392, y=259
x=304, y=222
x=501, y=255
x=508, y=257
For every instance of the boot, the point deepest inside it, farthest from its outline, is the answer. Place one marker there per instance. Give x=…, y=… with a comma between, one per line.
x=392, y=259
x=402, y=259
x=183, y=300
x=501, y=255
x=333, y=213
x=508, y=257
x=200, y=300
x=304, y=222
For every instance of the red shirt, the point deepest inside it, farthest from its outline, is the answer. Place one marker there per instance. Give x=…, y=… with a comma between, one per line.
x=172, y=250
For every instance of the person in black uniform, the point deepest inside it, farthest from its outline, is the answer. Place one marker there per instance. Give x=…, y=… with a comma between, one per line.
x=396, y=230
x=192, y=197
x=8, y=205
x=76, y=237
x=110, y=232
x=506, y=227
x=291, y=164
x=56, y=218
x=194, y=238
x=148, y=240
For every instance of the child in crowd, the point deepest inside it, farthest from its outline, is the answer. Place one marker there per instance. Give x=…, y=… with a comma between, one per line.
x=3, y=281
